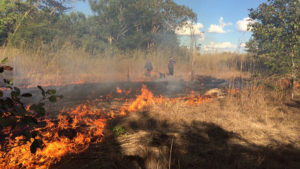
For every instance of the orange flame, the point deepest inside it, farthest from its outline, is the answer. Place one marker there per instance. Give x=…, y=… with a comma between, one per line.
x=59, y=139
x=120, y=91
x=73, y=131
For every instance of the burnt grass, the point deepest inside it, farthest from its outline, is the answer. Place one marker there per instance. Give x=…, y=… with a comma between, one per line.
x=171, y=88
x=152, y=142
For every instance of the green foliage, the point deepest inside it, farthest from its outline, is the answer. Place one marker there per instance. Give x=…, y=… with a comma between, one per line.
x=15, y=119
x=116, y=25
x=131, y=24
x=276, y=36
x=119, y=130
x=28, y=20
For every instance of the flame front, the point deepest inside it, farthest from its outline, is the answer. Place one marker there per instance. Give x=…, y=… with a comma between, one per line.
x=73, y=131
x=60, y=138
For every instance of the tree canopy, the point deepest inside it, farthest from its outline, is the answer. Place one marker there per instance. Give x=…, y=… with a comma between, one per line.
x=137, y=23
x=276, y=35
x=124, y=24
x=29, y=19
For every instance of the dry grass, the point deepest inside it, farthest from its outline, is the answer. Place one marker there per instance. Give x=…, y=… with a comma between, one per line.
x=69, y=65
x=249, y=129
x=254, y=128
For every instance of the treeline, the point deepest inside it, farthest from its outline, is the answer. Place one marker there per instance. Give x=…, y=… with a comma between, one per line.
x=118, y=24
x=275, y=42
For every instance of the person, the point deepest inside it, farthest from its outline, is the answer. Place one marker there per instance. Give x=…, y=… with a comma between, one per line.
x=148, y=66
x=171, y=66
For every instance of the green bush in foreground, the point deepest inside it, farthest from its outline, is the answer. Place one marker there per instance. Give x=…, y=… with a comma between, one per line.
x=18, y=119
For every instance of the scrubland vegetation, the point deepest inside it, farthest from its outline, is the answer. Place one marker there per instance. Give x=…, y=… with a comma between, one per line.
x=219, y=110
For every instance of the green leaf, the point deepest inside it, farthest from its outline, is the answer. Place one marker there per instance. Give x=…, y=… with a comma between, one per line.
x=51, y=92
x=52, y=99
x=14, y=95
x=38, y=109
x=4, y=60
x=27, y=95
x=17, y=90
x=11, y=82
x=118, y=130
x=9, y=102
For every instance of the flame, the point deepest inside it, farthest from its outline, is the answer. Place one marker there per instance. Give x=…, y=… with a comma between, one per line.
x=59, y=138
x=194, y=100
x=232, y=91
x=120, y=91
x=73, y=131
x=144, y=99
x=297, y=84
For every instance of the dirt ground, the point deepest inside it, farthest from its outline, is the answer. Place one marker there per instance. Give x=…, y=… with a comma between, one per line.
x=245, y=130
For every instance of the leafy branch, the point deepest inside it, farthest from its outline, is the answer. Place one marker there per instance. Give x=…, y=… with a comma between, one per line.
x=18, y=119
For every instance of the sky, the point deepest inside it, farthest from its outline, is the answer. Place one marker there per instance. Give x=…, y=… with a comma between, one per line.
x=221, y=24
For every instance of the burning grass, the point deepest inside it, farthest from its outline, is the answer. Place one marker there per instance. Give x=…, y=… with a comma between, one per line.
x=252, y=128
x=201, y=134
x=72, y=131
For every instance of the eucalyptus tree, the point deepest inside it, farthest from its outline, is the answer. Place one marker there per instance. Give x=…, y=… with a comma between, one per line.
x=130, y=24
x=276, y=36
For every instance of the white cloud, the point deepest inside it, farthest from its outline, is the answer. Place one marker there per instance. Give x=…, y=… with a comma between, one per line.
x=218, y=28
x=188, y=28
x=242, y=25
x=243, y=45
x=219, y=46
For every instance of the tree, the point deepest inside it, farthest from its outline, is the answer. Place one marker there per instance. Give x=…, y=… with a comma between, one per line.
x=131, y=24
x=34, y=17
x=276, y=36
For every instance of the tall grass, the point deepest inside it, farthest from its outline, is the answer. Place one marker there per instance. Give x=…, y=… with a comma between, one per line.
x=47, y=66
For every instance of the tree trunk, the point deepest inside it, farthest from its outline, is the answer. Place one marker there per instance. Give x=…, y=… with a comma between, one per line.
x=128, y=71
x=293, y=74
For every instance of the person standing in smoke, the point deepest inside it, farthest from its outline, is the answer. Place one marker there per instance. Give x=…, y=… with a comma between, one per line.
x=149, y=68
x=171, y=66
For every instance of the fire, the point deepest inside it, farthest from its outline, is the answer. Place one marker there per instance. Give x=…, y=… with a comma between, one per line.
x=60, y=138
x=194, y=100
x=232, y=91
x=144, y=99
x=74, y=130
x=120, y=91
x=297, y=84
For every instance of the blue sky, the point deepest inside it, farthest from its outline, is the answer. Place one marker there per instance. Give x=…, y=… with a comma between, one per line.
x=221, y=23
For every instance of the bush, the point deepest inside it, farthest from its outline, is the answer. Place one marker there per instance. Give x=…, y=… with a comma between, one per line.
x=118, y=130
